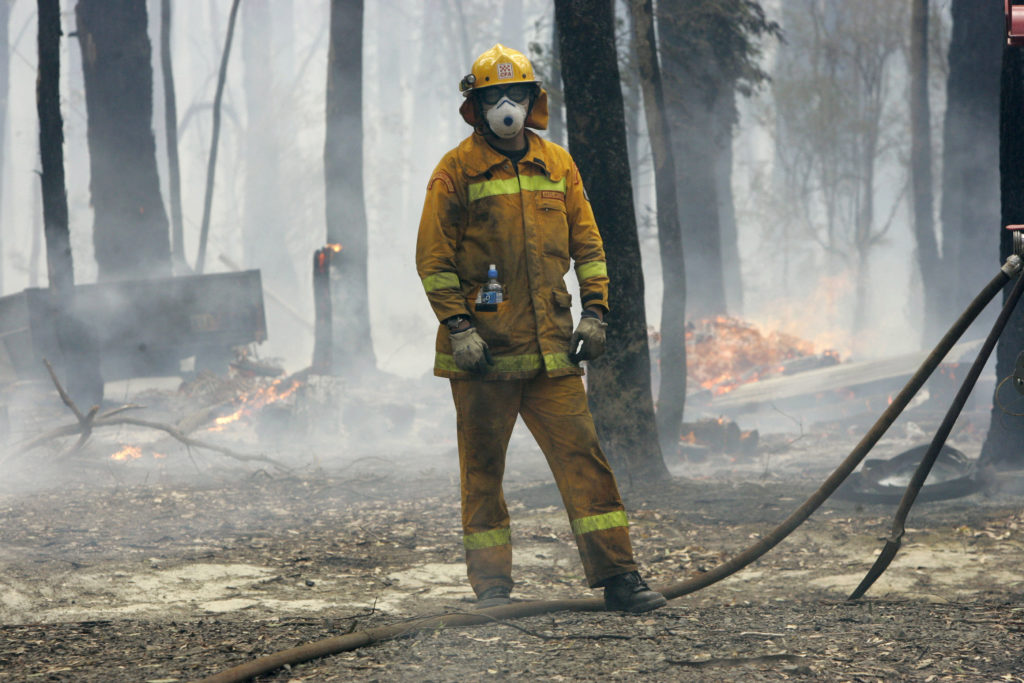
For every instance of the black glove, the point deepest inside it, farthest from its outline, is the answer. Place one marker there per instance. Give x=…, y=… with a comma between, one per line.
x=587, y=341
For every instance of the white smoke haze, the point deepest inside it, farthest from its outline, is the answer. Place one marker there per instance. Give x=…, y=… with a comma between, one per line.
x=414, y=56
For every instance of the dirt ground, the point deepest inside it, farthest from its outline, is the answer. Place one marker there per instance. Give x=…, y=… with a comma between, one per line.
x=174, y=568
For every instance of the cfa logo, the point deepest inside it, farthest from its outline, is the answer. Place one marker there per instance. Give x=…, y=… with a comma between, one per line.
x=505, y=72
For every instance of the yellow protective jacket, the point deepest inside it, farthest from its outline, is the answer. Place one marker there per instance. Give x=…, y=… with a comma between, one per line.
x=529, y=220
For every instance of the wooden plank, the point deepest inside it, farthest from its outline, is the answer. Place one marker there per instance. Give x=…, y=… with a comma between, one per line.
x=824, y=381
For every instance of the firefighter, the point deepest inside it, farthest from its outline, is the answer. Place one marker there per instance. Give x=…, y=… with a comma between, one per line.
x=508, y=208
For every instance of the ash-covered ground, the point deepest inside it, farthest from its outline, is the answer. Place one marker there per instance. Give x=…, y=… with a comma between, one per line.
x=174, y=563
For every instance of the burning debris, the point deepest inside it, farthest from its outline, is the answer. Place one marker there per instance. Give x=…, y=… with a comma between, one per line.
x=718, y=436
x=723, y=353
x=251, y=402
x=87, y=422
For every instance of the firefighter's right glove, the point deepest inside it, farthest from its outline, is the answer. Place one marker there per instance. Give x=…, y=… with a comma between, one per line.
x=587, y=341
x=470, y=351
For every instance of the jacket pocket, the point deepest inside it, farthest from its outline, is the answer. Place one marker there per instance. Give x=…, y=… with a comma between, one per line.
x=553, y=224
x=561, y=313
x=492, y=322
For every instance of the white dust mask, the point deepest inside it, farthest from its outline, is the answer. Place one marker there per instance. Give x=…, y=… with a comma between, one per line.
x=506, y=118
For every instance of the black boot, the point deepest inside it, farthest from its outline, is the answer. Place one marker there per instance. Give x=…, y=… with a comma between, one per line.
x=629, y=593
x=493, y=596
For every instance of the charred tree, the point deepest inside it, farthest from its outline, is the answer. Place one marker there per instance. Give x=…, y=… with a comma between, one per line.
x=130, y=231
x=1004, y=443
x=620, y=381
x=80, y=356
x=171, y=133
x=709, y=51
x=59, y=263
x=693, y=85
x=971, y=151
x=672, y=357
x=928, y=260
x=211, y=163
x=345, y=203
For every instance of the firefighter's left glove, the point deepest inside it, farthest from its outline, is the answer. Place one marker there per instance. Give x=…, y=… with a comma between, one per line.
x=587, y=341
x=470, y=351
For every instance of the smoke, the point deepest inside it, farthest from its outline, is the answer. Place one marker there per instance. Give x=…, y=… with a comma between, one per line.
x=414, y=55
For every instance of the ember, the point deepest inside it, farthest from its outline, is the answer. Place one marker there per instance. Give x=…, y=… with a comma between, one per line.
x=323, y=255
x=718, y=436
x=127, y=453
x=722, y=353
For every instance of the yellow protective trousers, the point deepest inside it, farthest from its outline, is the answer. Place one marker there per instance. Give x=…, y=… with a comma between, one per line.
x=555, y=411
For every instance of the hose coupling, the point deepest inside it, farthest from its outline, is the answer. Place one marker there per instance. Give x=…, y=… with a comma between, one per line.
x=1013, y=263
x=1017, y=231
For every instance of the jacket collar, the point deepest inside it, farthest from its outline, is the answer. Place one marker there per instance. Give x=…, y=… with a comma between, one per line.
x=478, y=157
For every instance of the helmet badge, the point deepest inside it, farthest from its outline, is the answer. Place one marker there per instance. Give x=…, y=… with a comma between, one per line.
x=505, y=71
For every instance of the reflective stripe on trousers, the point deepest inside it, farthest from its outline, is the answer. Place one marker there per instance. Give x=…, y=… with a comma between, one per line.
x=556, y=413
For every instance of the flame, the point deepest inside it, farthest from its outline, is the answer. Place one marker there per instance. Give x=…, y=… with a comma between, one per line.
x=127, y=453
x=323, y=255
x=255, y=400
x=722, y=353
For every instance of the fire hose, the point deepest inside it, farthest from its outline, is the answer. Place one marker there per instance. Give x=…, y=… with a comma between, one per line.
x=355, y=640
x=892, y=543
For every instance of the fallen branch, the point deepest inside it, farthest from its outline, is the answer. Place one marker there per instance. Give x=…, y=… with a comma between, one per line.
x=68, y=430
x=91, y=420
x=63, y=394
x=196, y=443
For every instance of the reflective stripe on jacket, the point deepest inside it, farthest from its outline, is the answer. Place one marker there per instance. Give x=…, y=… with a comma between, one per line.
x=529, y=220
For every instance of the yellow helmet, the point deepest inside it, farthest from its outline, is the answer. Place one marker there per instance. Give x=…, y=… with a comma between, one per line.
x=498, y=66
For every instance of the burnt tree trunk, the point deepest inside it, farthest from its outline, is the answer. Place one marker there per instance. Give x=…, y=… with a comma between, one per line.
x=80, y=357
x=1004, y=443
x=59, y=264
x=692, y=91
x=211, y=163
x=345, y=204
x=672, y=358
x=928, y=259
x=620, y=381
x=130, y=231
x=970, y=167
x=171, y=125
